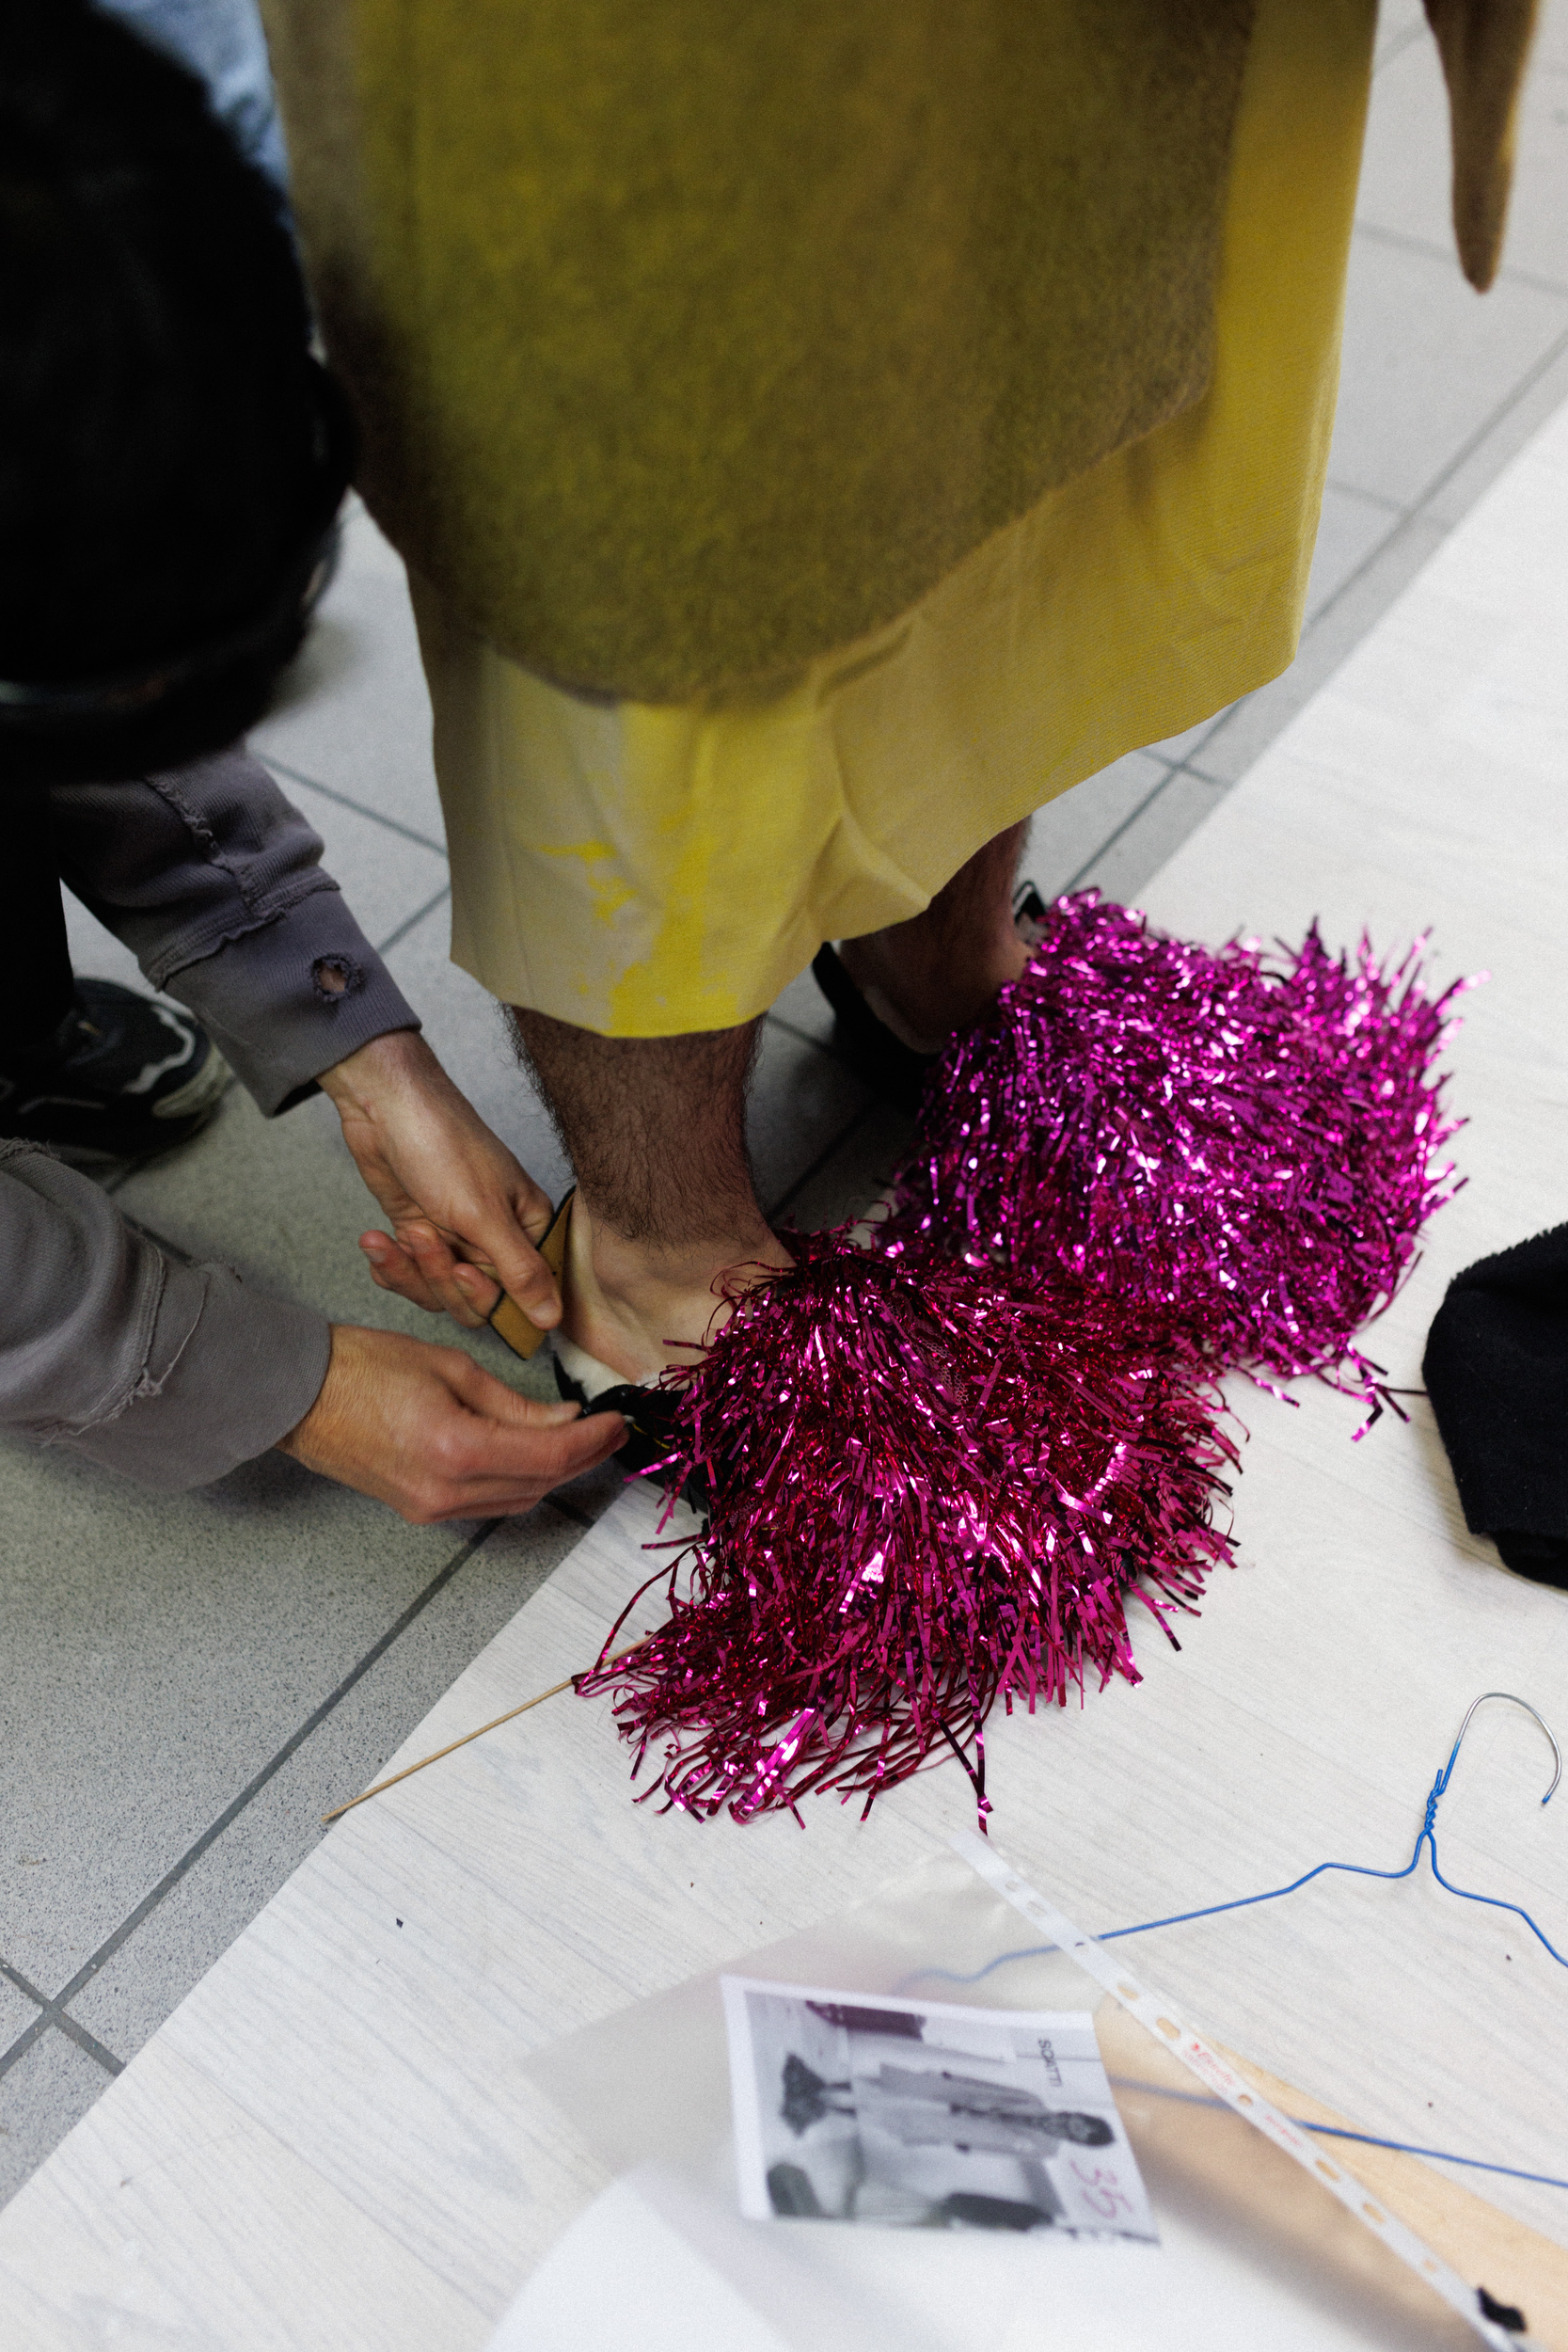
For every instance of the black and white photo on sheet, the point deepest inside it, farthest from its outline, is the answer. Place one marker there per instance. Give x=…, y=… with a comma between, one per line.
x=924, y=2115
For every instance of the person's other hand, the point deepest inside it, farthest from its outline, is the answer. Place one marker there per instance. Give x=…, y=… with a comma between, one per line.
x=465, y=1215
x=429, y=1431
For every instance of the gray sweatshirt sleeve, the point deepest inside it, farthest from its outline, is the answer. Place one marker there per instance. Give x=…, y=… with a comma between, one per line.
x=171, y=1373
x=109, y=1345
x=214, y=882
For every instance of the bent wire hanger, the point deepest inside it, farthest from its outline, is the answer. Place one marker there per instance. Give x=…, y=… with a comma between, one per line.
x=1426, y=1836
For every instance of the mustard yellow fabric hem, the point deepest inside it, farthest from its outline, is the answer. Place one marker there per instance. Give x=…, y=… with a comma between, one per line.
x=645, y=870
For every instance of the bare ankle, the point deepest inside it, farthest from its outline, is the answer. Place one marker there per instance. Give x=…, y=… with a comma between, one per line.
x=634, y=1271
x=656, y=1128
x=638, y=1306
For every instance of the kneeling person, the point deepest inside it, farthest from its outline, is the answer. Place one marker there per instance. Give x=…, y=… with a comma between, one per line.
x=172, y=463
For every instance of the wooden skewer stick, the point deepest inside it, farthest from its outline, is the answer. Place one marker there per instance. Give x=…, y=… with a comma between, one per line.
x=553, y=1693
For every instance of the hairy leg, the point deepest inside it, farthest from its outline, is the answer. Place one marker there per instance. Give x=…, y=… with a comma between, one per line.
x=940, y=971
x=656, y=1130
x=655, y=1127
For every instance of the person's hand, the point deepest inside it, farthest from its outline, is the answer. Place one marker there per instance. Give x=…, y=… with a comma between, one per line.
x=465, y=1215
x=429, y=1431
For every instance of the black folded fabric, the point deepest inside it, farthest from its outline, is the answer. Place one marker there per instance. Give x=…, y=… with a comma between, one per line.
x=1496, y=1372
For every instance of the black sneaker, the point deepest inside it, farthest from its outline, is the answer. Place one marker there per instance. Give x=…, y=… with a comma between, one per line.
x=122, y=1077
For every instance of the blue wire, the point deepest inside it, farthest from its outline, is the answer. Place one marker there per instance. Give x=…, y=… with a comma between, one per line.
x=1368, y=2139
x=1427, y=1836
x=1444, y=2155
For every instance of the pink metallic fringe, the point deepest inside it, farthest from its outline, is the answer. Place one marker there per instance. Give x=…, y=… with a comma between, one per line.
x=929, y=1490
x=938, y=1471
x=1248, y=1146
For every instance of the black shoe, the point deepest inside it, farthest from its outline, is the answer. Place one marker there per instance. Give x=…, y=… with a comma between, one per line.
x=881, y=1060
x=1030, y=914
x=649, y=1412
x=121, y=1079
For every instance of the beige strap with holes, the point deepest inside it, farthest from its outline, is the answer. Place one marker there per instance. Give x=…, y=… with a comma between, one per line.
x=507, y=1319
x=1242, y=2090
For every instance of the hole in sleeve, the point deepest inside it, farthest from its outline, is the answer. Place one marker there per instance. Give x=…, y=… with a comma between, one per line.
x=335, y=978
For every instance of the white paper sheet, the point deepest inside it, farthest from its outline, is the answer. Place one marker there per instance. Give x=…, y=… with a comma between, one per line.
x=658, y=2264
x=1252, y=2254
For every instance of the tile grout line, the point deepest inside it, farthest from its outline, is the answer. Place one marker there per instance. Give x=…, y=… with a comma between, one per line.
x=1364, y=498
x=1397, y=47
x=1174, y=767
x=557, y=1502
x=1190, y=764
x=47, y=2022
x=1405, y=241
x=29, y=2040
x=1406, y=516
x=384, y=946
x=35, y=2028
x=75, y=2031
x=53, y=2012
x=25, y=1985
x=344, y=800
x=1397, y=529
x=52, y=2021
x=1468, y=450
x=26, y=2040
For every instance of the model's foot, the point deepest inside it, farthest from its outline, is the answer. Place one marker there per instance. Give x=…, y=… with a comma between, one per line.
x=637, y=1308
x=122, y=1077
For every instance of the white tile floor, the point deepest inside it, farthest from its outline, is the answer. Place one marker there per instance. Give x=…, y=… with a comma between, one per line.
x=190, y=1683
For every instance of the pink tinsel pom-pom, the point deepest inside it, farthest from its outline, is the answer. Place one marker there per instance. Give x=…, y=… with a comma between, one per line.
x=928, y=1489
x=1246, y=1146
